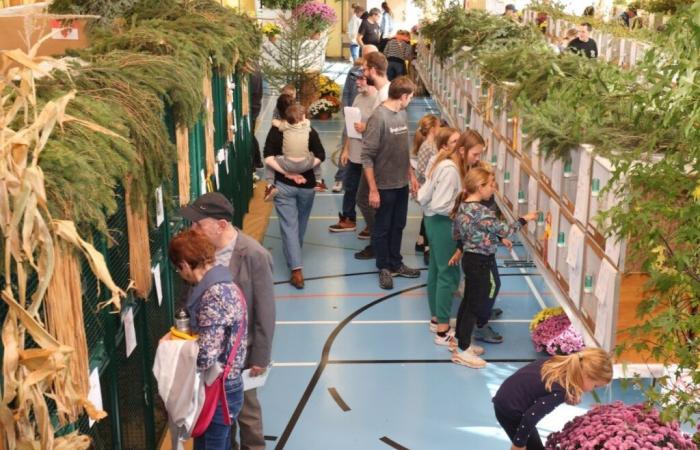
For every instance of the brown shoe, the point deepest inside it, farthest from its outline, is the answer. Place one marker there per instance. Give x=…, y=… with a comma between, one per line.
x=297, y=279
x=321, y=186
x=364, y=234
x=344, y=224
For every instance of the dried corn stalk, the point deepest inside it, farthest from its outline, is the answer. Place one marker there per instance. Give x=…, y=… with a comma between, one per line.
x=30, y=239
x=183, y=164
x=209, y=156
x=139, y=244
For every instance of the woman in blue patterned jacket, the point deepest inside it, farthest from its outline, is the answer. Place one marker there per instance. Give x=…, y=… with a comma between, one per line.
x=217, y=311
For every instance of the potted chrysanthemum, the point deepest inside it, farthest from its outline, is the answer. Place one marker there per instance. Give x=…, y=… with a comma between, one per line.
x=552, y=331
x=315, y=17
x=620, y=426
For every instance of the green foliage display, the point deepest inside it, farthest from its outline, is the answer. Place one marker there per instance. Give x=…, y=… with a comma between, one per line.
x=665, y=6
x=646, y=121
x=145, y=56
x=282, y=4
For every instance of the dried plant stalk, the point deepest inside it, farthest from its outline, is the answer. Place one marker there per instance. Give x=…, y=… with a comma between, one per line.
x=183, y=164
x=31, y=238
x=209, y=126
x=64, y=316
x=139, y=244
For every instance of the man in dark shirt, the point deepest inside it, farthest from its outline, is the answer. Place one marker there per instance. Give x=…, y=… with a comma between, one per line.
x=583, y=44
x=370, y=32
x=627, y=17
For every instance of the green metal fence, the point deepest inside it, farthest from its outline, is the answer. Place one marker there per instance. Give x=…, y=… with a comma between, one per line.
x=136, y=417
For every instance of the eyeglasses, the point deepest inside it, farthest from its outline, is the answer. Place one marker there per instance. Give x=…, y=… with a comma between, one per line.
x=361, y=78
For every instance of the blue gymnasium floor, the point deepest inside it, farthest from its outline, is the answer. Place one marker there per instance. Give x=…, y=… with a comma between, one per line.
x=355, y=366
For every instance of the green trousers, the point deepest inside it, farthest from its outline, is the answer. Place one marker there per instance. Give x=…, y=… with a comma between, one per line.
x=443, y=279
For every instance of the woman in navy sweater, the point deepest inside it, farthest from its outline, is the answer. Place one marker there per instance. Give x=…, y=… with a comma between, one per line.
x=536, y=389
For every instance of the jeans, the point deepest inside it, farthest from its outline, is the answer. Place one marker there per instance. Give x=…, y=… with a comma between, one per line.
x=395, y=69
x=293, y=206
x=218, y=435
x=363, y=203
x=510, y=426
x=353, y=172
x=479, y=289
x=250, y=424
x=354, y=51
x=389, y=222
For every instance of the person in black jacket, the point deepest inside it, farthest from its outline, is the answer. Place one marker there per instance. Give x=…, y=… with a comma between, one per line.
x=536, y=389
x=583, y=45
x=295, y=197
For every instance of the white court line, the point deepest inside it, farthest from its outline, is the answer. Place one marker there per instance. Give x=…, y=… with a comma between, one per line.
x=528, y=280
x=380, y=322
x=294, y=364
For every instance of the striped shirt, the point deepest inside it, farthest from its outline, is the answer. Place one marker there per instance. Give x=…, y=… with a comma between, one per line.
x=398, y=49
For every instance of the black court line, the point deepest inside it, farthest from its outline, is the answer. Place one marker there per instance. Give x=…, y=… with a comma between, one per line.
x=422, y=361
x=338, y=399
x=324, y=361
x=392, y=443
x=355, y=274
x=270, y=438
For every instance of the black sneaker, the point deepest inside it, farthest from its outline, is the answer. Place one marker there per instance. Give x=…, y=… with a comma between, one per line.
x=496, y=313
x=385, y=280
x=406, y=272
x=366, y=253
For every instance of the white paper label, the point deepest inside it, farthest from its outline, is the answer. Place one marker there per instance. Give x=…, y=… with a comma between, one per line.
x=552, y=243
x=216, y=175
x=156, y=279
x=160, y=211
x=221, y=155
x=583, y=188
x=129, y=331
x=203, y=181
x=95, y=393
x=501, y=155
x=226, y=160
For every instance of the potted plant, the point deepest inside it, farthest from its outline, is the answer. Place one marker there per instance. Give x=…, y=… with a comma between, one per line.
x=552, y=332
x=328, y=87
x=323, y=108
x=620, y=426
x=271, y=30
x=315, y=17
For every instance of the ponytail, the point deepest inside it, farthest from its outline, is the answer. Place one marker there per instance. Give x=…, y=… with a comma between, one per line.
x=570, y=371
x=458, y=201
x=425, y=124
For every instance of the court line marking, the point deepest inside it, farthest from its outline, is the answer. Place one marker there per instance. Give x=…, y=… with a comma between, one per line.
x=375, y=294
x=528, y=280
x=381, y=322
x=295, y=364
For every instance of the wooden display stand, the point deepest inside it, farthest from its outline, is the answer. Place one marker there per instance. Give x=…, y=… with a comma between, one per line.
x=584, y=269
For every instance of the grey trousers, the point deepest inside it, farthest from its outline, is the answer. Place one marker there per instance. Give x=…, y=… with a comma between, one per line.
x=363, y=203
x=250, y=424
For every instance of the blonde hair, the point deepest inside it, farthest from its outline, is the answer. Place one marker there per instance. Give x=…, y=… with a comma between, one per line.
x=442, y=137
x=476, y=177
x=570, y=371
x=425, y=124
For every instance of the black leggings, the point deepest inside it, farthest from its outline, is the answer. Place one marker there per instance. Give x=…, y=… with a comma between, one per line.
x=510, y=426
x=479, y=294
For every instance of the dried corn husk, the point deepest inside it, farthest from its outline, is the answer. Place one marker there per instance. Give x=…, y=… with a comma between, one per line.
x=30, y=241
x=183, y=164
x=139, y=244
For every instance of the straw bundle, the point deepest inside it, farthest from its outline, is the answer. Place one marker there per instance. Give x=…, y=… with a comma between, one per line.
x=30, y=240
x=139, y=244
x=209, y=125
x=64, y=317
x=183, y=164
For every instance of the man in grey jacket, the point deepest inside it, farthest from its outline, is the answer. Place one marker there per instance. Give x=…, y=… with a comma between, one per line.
x=251, y=266
x=385, y=160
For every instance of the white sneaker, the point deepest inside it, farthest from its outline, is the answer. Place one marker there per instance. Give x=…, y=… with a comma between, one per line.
x=337, y=187
x=468, y=358
x=447, y=340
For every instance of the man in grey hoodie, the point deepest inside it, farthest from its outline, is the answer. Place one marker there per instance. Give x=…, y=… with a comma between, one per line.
x=385, y=160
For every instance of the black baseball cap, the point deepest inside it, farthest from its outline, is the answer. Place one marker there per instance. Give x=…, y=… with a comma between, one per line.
x=212, y=204
x=510, y=7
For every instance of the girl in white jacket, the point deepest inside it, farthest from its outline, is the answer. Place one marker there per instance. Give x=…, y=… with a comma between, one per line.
x=437, y=196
